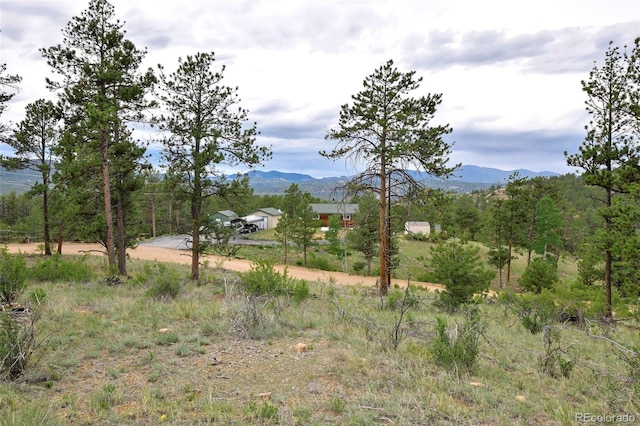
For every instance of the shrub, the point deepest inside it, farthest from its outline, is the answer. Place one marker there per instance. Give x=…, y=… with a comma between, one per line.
x=555, y=360
x=263, y=279
x=17, y=344
x=58, y=268
x=318, y=262
x=458, y=349
x=300, y=291
x=13, y=273
x=358, y=266
x=460, y=269
x=540, y=274
x=167, y=283
x=535, y=311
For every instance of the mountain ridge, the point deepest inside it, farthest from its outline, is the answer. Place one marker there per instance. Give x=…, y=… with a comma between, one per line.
x=466, y=173
x=468, y=178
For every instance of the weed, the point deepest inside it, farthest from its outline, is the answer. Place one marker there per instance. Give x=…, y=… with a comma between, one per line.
x=17, y=342
x=168, y=338
x=247, y=316
x=337, y=405
x=13, y=273
x=182, y=350
x=554, y=362
x=106, y=398
x=265, y=412
x=38, y=296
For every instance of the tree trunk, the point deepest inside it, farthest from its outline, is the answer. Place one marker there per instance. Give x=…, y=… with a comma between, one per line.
x=196, y=207
x=384, y=284
x=509, y=262
x=121, y=243
x=45, y=217
x=106, y=189
x=153, y=215
x=607, y=259
x=60, y=238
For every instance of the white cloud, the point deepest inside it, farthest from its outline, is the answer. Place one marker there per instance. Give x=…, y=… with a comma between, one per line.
x=509, y=71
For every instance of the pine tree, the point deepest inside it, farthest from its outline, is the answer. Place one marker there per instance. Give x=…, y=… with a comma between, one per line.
x=609, y=154
x=203, y=129
x=33, y=144
x=387, y=132
x=100, y=89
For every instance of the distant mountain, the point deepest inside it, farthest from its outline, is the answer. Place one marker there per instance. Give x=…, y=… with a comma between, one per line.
x=476, y=174
x=468, y=178
x=274, y=176
x=17, y=181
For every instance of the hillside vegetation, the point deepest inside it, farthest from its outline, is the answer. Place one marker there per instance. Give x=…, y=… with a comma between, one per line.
x=146, y=351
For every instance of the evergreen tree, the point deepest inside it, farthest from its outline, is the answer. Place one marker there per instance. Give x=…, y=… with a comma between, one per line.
x=100, y=89
x=202, y=130
x=332, y=235
x=283, y=233
x=365, y=235
x=460, y=269
x=304, y=226
x=389, y=132
x=33, y=144
x=6, y=81
x=540, y=274
x=609, y=154
x=548, y=228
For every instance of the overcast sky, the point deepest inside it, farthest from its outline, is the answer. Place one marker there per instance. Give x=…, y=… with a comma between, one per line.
x=509, y=71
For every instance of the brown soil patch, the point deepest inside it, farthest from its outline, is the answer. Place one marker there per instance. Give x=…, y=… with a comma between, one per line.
x=161, y=254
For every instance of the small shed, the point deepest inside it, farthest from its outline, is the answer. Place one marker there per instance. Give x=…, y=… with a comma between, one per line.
x=268, y=217
x=417, y=228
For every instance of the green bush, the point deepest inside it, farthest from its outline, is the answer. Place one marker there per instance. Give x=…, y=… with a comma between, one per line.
x=13, y=273
x=458, y=350
x=358, y=266
x=318, y=262
x=262, y=279
x=166, y=284
x=58, y=268
x=540, y=274
x=535, y=311
x=460, y=269
x=300, y=291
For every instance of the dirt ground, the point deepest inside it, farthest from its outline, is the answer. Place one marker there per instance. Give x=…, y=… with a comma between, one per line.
x=164, y=254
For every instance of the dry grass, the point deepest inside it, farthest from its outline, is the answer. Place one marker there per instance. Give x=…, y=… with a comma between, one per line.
x=116, y=356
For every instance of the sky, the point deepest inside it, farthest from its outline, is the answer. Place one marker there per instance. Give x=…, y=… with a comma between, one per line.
x=509, y=71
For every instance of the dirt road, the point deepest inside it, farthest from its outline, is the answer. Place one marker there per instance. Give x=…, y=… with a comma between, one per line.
x=163, y=254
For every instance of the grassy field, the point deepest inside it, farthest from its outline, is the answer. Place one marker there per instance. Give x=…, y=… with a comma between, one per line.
x=121, y=354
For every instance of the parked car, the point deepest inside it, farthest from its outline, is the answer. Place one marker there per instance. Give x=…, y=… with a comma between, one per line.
x=249, y=228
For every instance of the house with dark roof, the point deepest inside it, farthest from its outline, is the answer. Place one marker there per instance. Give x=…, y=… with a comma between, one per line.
x=344, y=210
